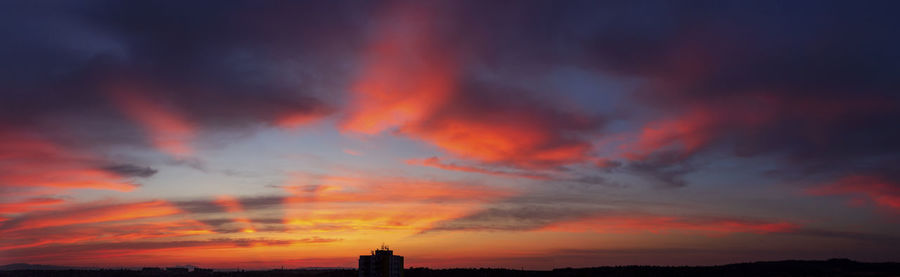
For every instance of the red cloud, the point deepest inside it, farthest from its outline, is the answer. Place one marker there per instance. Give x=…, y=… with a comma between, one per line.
x=91, y=214
x=406, y=75
x=747, y=117
x=169, y=131
x=881, y=191
x=232, y=206
x=518, y=136
x=161, y=229
x=95, y=223
x=687, y=134
x=28, y=160
x=665, y=224
x=158, y=252
x=332, y=202
x=435, y=162
x=28, y=205
x=351, y=189
x=297, y=119
x=410, y=81
x=106, y=232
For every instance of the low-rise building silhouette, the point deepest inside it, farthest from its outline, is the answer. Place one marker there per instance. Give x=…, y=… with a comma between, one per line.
x=177, y=270
x=382, y=263
x=151, y=271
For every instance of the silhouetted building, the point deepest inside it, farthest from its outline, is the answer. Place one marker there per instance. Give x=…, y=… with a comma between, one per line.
x=151, y=271
x=202, y=271
x=176, y=270
x=382, y=263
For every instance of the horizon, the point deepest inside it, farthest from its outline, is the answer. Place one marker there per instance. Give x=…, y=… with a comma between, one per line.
x=525, y=134
x=189, y=266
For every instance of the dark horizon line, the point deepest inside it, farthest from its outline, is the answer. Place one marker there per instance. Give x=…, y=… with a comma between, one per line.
x=48, y=267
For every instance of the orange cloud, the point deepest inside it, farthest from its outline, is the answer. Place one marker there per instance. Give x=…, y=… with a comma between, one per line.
x=161, y=229
x=109, y=232
x=745, y=117
x=406, y=75
x=352, y=189
x=294, y=120
x=435, y=162
x=168, y=130
x=701, y=125
x=28, y=205
x=91, y=214
x=881, y=191
x=31, y=161
x=332, y=203
x=685, y=134
x=518, y=138
x=410, y=81
x=232, y=206
x=218, y=252
x=664, y=224
x=95, y=223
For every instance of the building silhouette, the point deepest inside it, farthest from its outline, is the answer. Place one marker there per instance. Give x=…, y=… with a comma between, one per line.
x=382, y=263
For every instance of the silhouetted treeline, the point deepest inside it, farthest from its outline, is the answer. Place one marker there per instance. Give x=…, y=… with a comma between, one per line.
x=835, y=267
x=139, y=273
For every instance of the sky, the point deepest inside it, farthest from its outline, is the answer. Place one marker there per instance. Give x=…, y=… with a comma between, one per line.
x=517, y=134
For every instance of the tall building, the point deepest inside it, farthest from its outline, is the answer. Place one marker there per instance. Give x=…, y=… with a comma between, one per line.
x=382, y=263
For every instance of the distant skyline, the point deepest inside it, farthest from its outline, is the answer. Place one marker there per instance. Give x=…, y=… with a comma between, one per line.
x=535, y=134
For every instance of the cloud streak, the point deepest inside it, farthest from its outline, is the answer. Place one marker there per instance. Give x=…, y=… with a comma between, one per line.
x=91, y=214
x=168, y=131
x=878, y=190
x=433, y=102
x=435, y=162
x=32, y=161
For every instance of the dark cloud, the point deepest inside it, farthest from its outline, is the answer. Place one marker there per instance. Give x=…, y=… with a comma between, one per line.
x=869, y=238
x=515, y=218
x=209, y=206
x=820, y=77
x=132, y=170
x=591, y=212
x=666, y=169
x=528, y=212
x=809, y=84
x=812, y=84
x=594, y=180
x=194, y=163
x=223, y=69
x=217, y=217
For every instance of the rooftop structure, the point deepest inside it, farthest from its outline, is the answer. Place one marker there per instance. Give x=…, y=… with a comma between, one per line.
x=381, y=263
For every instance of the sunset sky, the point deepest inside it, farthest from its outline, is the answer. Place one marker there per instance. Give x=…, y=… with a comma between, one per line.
x=535, y=134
